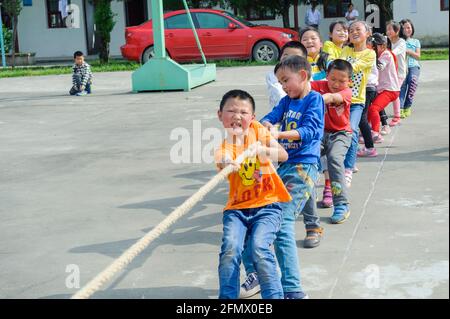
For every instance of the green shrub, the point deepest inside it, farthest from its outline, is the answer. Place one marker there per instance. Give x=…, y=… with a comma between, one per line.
x=7, y=37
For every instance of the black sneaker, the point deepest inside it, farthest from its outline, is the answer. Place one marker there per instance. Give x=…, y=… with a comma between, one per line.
x=313, y=237
x=250, y=287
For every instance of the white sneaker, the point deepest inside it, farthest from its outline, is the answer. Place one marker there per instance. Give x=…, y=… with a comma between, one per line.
x=250, y=287
x=385, y=130
x=348, y=177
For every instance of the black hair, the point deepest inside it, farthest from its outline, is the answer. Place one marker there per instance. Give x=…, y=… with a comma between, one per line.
x=77, y=54
x=241, y=95
x=335, y=23
x=294, y=45
x=350, y=4
x=402, y=23
x=366, y=25
x=397, y=28
x=380, y=39
x=341, y=65
x=295, y=63
x=323, y=56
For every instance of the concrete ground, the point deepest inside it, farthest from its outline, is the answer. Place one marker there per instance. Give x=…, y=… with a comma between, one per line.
x=83, y=178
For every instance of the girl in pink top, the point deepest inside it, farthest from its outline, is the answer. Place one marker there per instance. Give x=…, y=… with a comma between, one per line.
x=388, y=84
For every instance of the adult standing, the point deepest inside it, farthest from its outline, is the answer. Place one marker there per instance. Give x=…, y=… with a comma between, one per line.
x=312, y=16
x=352, y=14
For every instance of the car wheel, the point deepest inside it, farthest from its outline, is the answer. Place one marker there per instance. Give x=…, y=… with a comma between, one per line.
x=266, y=52
x=148, y=54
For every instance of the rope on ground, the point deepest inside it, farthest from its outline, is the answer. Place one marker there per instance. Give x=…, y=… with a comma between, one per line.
x=127, y=257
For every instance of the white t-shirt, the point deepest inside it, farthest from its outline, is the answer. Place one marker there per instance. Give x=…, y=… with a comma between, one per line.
x=312, y=18
x=399, y=49
x=352, y=15
x=275, y=89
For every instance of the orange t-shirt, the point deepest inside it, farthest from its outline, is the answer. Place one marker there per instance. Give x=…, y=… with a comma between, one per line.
x=255, y=184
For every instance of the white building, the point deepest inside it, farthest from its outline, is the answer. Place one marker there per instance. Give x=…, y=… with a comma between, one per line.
x=43, y=29
x=430, y=19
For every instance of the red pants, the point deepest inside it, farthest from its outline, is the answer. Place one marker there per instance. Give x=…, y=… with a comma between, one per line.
x=381, y=101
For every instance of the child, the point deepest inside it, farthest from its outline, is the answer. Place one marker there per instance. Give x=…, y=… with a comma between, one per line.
x=301, y=114
x=409, y=87
x=274, y=87
x=81, y=76
x=253, y=210
x=371, y=93
x=361, y=58
x=338, y=38
x=338, y=132
x=388, y=88
x=318, y=59
x=398, y=47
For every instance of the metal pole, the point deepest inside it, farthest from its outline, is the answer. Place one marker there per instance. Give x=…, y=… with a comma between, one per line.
x=195, y=31
x=2, y=43
x=158, y=29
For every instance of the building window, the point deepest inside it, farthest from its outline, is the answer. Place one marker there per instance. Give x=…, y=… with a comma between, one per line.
x=444, y=5
x=334, y=9
x=262, y=14
x=57, y=13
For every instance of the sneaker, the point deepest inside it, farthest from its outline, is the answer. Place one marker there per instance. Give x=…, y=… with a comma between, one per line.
x=82, y=93
x=355, y=169
x=348, y=177
x=407, y=112
x=395, y=121
x=385, y=130
x=327, y=200
x=402, y=113
x=340, y=214
x=250, y=287
x=377, y=138
x=312, y=239
x=367, y=152
x=295, y=295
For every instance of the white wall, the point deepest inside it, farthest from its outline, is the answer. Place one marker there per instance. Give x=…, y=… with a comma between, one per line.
x=35, y=35
x=430, y=23
x=118, y=33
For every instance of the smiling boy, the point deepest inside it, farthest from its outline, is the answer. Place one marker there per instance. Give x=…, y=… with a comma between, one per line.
x=301, y=115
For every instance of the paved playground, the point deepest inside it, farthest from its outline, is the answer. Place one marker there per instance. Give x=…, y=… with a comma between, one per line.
x=83, y=178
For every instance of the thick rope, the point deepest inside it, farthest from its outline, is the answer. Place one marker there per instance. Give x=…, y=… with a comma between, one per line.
x=132, y=252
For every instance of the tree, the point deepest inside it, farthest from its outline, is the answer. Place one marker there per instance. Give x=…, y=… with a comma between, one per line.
x=104, y=21
x=13, y=9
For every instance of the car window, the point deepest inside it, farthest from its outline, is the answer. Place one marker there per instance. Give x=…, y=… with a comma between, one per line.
x=212, y=21
x=177, y=22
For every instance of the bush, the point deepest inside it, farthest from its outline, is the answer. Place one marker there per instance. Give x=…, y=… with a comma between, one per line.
x=7, y=37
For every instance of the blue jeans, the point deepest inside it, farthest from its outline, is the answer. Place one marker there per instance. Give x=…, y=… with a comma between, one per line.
x=260, y=226
x=300, y=180
x=409, y=88
x=356, y=111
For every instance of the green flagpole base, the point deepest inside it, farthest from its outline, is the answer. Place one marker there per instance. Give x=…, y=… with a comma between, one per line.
x=164, y=74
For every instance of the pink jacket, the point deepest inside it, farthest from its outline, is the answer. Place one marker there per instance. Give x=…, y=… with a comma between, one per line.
x=387, y=75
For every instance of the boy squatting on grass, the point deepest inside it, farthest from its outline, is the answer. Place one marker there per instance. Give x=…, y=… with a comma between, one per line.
x=253, y=212
x=81, y=76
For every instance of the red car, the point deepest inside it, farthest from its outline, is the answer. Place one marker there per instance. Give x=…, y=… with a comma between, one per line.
x=222, y=35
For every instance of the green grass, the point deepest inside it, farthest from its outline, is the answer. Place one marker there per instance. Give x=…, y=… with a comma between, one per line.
x=120, y=65
x=434, y=54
